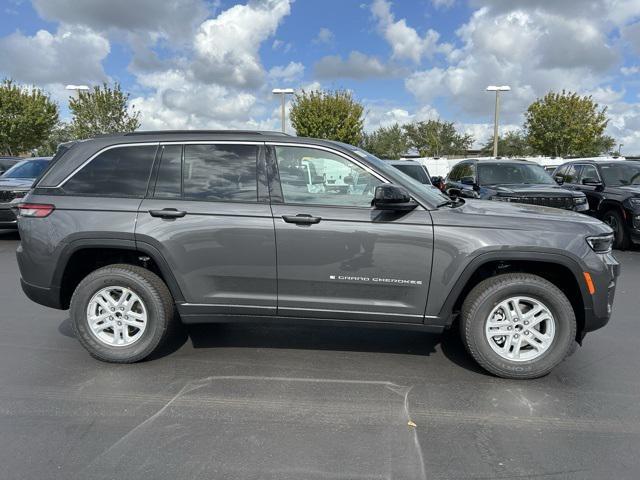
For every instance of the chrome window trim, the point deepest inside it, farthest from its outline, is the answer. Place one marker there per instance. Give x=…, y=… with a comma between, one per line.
x=156, y=143
x=99, y=152
x=589, y=165
x=335, y=152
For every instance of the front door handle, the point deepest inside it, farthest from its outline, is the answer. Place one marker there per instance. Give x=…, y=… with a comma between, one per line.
x=301, y=219
x=167, y=213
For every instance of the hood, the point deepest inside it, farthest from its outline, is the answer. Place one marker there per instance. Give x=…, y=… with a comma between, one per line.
x=533, y=189
x=517, y=216
x=16, y=183
x=630, y=188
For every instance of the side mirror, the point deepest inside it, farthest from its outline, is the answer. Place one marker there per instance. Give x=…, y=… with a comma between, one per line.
x=594, y=182
x=468, y=181
x=559, y=179
x=436, y=180
x=392, y=197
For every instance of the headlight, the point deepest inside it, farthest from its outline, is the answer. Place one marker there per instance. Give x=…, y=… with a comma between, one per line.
x=581, y=200
x=19, y=193
x=601, y=243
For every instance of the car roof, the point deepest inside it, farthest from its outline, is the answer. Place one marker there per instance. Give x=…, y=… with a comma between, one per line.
x=499, y=161
x=77, y=152
x=404, y=162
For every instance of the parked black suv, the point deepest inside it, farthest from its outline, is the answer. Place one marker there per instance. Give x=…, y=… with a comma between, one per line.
x=515, y=181
x=235, y=226
x=613, y=191
x=15, y=183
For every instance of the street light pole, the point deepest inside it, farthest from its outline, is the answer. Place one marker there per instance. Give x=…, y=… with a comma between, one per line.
x=283, y=92
x=496, y=115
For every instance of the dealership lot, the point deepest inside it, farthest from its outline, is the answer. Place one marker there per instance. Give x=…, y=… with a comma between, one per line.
x=246, y=401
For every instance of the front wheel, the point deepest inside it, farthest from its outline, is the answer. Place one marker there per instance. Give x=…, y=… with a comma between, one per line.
x=518, y=325
x=122, y=313
x=614, y=219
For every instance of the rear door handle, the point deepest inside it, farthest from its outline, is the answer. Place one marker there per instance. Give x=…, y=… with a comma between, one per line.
x=301, y=219
x=167, y=213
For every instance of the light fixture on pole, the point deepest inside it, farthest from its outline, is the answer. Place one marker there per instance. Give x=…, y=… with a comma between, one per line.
x=77, y=89
x=497, y=89
x=283, y=92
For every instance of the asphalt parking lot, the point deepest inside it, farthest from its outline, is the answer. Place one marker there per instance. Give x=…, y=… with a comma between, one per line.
x=282, y=402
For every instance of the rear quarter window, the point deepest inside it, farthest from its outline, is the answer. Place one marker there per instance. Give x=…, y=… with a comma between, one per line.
x=117, y=172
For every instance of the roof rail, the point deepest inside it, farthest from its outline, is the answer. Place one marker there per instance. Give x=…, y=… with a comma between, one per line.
x=221, y=132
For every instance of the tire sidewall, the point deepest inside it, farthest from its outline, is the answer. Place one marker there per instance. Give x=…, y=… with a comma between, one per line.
x=565, y=329
x=619, y=233
x=155, y=316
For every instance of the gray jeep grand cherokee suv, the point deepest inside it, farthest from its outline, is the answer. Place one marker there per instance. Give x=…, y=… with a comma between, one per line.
x=133, y=232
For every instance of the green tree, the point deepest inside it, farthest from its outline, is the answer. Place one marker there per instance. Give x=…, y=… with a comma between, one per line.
x=566, y=124
x=27, y=116
x=102, y=110
x=61, y=133
x=332, y=115
x=511, y=144
x=386, y=142
x=435, y=138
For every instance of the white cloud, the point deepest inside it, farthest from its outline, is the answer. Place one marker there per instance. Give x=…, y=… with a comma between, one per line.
x=357, y=66
x=443, y=3
x=293, y=71
x=631, y=35
x=71, y=55
x=632, y=70
x=532, y=51
x=175, y=19
x=404, y=40
x=324, y=36
x=227, y=46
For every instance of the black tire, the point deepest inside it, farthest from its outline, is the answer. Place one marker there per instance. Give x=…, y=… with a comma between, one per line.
x=487, y=295
x=151, y=290
x=614, y=219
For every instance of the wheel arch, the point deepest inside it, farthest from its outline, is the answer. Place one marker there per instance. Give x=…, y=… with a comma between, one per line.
x=82, y=256
x=551, y=266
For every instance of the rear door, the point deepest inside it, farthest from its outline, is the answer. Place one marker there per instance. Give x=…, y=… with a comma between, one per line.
x=208, y=215
x=337, y=256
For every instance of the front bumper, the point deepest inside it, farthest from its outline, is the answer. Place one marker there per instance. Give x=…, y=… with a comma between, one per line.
x=8, y=218
x=605, y=289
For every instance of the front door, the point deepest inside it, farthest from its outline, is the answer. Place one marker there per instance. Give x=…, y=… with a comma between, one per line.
x=338, y=257
x=207, y=218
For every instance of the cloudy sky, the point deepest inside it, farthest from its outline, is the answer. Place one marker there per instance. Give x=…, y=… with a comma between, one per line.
x=212, y=64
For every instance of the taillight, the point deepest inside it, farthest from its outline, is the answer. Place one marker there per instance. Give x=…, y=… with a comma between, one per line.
x=37, y=210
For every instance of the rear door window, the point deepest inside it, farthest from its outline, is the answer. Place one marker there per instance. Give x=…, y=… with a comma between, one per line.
x=220, y=172
x=117, y=172
x=169, y=181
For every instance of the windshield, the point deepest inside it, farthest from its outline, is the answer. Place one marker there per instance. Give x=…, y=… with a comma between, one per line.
x=26, y=169
x=621, y=174
x=434, y=195
x=415, y=171
x=510, y=173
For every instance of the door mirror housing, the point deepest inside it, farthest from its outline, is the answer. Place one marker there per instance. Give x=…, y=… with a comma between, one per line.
x=594, y=182
x=559, y=179
x=392, y=197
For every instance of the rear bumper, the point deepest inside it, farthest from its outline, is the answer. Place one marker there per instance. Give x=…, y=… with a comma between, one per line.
x=49, y=297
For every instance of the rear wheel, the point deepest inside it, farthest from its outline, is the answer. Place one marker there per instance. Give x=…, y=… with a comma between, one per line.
x=122, y=313
x=614, y=219
x=518, y=325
